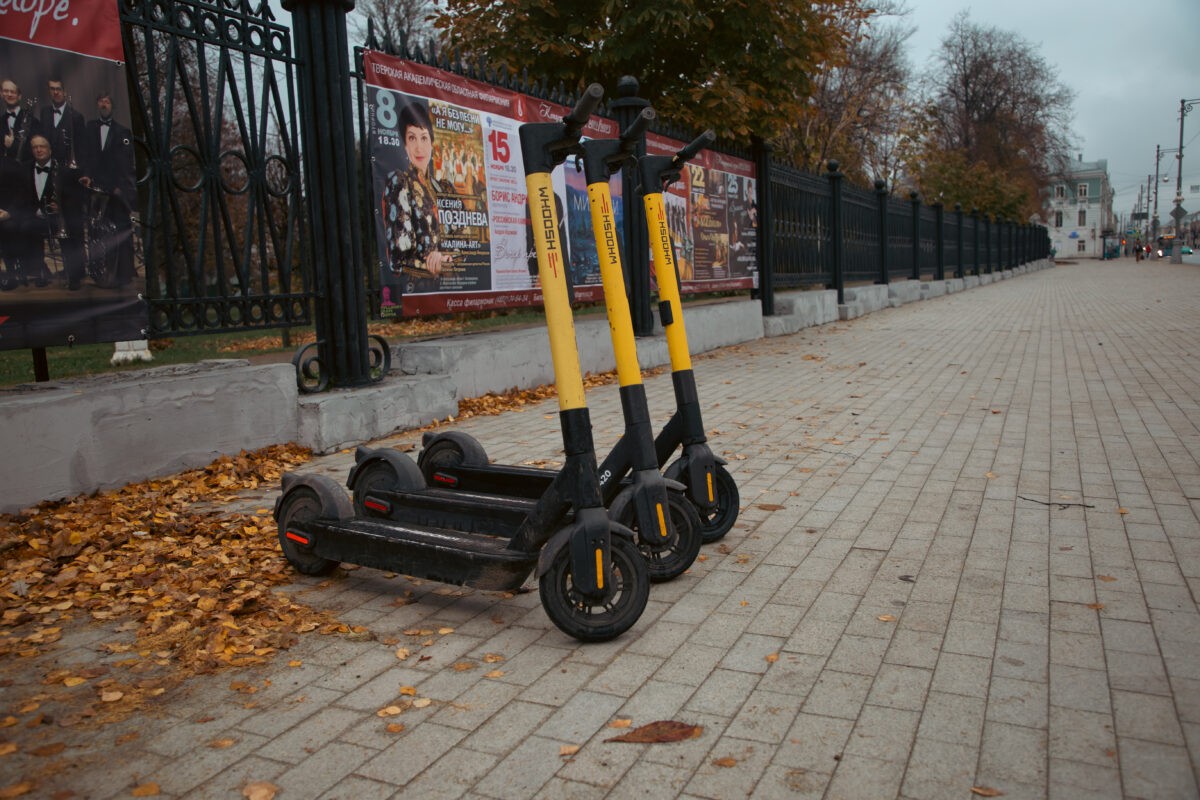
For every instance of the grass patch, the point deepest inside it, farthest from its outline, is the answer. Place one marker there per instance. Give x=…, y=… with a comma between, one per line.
x=16, y=366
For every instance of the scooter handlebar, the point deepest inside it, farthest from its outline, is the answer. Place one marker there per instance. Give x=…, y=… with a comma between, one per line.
x=633, y=134
x=689, y=151
x=583, y=109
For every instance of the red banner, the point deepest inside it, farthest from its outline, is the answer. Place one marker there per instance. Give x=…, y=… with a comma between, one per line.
x=86, y=27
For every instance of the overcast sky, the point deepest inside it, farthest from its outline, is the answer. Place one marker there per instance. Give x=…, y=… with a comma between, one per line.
x=1129, y=65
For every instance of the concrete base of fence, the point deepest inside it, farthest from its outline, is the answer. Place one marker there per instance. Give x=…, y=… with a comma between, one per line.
x=863, y=300
x=901, y=292
x=74, y=436
x=346, y=417
x=77, y=436
x=933, y=289
x=797, y=310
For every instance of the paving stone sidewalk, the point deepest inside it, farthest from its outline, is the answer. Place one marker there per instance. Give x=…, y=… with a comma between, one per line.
x=968, y=557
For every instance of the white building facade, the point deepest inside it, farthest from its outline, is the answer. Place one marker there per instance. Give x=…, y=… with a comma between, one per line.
x=1079, y=211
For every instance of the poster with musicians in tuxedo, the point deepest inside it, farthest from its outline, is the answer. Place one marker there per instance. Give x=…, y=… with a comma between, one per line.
x=451, y=219
x=68, y=194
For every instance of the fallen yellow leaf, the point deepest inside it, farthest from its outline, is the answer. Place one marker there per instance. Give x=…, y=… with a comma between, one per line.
x=772, y=658
x=403, y=653
x=74, y=680
x=445, y=631
x=408, y=691
x=568, y=750
x=620, y=723
x=145, y=790
x=111, y=697
x=886, y=618
x=422, y=703
x=1122, y=510
x=496, y=673
x=8, y=748
x=260, y=790
x=986, y=791
x=389, y=711
x=725, y=762
x=395, y=727
x=492, y=658
x=221, y=744
x=16, y=790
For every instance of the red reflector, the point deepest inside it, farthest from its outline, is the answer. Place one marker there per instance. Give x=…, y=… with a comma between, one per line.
x=376, y=505
x=449, y=480
x=295, y=537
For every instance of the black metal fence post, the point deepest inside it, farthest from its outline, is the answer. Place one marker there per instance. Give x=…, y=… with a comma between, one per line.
x=987, y=244
x=939, y=241
x=958, y=269
x=881, y=200
x=765, y=230
x=626, y=108
x=915, y=199
x=975, y=236
x=836, y=233
x=331, y=185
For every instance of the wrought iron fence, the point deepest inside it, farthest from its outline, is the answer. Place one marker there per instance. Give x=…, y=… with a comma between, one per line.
x=230, y=242
x=224, y=231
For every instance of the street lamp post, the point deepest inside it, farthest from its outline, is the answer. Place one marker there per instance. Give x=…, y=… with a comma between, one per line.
x=1179, y=212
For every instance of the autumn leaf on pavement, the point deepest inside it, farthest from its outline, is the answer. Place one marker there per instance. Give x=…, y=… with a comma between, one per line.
x=986, y=791
x=145, y=790
x=16, y=790
x=727, y=761
x=568, y=749
x=660, y=732
x=260, y=790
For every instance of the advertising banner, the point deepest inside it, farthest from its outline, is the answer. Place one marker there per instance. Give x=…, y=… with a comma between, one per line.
x=448, y=193
x=68, y=193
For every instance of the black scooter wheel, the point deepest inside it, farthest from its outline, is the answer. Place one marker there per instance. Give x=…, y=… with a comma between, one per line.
x=588, y=620
x=442, y=453
x=389, y=471
x=449, y=449
x=673, y=557
x=718, y=522
x=299, y=507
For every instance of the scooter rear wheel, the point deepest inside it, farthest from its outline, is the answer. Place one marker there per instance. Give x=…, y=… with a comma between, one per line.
x=672, y=558
x=390, y=471
x=299, y=507
x=449, y=450
x=718, y=522
x=588, y=620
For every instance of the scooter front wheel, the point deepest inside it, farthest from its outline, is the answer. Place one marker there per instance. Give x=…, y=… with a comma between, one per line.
x=673, y=557
x=718, y=522
x=299, y=507
x=597, y=621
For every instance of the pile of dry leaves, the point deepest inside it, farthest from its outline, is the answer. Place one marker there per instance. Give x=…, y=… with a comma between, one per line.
x=196, y=590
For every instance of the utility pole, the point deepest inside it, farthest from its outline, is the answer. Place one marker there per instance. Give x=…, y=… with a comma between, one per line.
x=1154, y=221
x=1179, y=212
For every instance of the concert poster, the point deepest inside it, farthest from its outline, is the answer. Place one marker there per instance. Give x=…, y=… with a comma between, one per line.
x=72, y=271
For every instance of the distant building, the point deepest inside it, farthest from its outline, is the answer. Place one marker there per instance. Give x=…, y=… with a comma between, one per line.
x=1079, y=210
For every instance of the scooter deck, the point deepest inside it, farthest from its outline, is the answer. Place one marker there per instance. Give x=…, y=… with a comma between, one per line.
x=486, y=514
x=437, y=554
x=496, y=479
